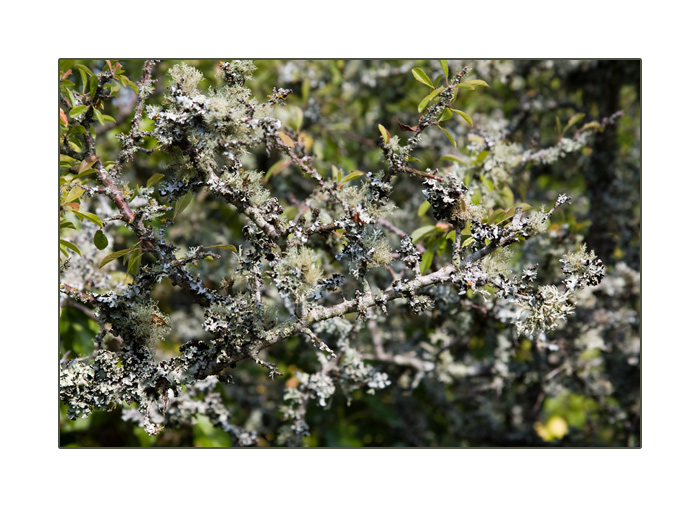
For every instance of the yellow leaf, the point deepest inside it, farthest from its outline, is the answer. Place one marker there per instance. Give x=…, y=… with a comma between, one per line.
x=286, y=139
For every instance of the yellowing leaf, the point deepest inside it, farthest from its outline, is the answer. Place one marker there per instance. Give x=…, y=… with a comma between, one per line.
x=385, y=133
x=225, y=247
x=286, y=139
x=74, y=194
x=472, y=83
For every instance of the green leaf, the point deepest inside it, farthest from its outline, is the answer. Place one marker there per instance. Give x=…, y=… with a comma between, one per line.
x=109, y=118
x=67, y=224
x=426, y=100
x=412, y=159
x=71, y=98
x=353, y=175
x=93, y=85
x=572, y=121
x=476, y=197
x=98, y=115
x=487, y=182
x=452, y=158
x=495, y=216
x=154, y=179
x=225, y=247
x=78, y=129
x=74, y=194
x=77, y=111
x=83, y=68
x=70, y=245
x=449, y=136
x=506, y=195
x=423, y=209
x=498, y=216
x=421, y=232
x=87, y=164
x=590, y=125
x=134, y=262
x=482, y=155
x=422, y=77
x=445, y=69
x=464, y=115
x=385, y=133
x=100, y=240
x=426, y=261
x=132, y=85
x=65, y=65
x=182, y=203
x=83, y=215
x=446, y=114
x=472, y=83
x=115, y=255
x=83, y=78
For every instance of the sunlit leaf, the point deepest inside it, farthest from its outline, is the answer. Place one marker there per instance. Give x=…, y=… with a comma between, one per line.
x=422, y=231
x=472, y=83
x=70, y=245
x=74, y=194
x=464, y=115
x=83, y=215
x=353, y=175
x=426, y=100
x=422, y=77
x=286, y=139
x=77, y=111
x=445, y=69
x=385, y=133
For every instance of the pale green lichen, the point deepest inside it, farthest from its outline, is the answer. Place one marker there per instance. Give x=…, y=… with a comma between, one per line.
x=249, y=184
x=148, y=323
x=538, y=222
x=189, y=76
x=496, y=264
x=301, y=269
x=579, y=260
x=544, y=311
x=381, y=256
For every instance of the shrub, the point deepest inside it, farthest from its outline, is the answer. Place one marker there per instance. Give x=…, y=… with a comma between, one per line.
x=377, y=267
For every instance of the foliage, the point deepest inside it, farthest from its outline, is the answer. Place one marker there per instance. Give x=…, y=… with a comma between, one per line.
x=413, y=284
